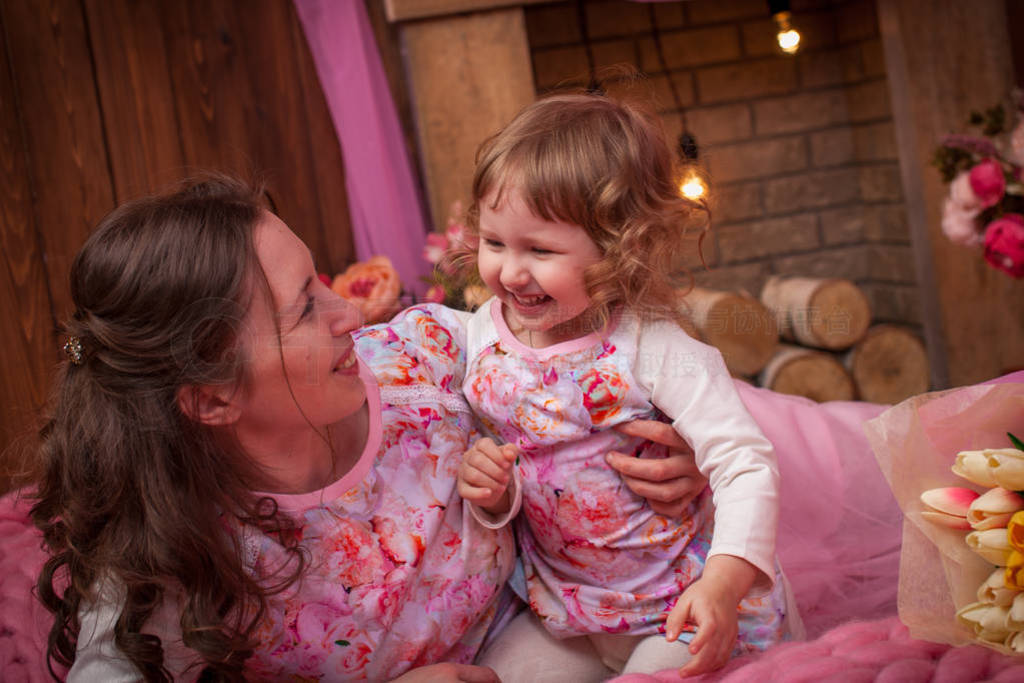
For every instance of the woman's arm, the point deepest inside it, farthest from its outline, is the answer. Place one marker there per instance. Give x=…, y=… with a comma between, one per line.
x=668, y=483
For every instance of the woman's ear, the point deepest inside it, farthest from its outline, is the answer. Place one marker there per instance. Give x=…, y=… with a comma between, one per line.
x=211, y=405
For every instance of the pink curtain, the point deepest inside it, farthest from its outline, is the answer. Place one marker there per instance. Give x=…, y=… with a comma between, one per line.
x=386, y=214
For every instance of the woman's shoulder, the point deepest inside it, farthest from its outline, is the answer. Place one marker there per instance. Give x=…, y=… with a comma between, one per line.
x=422, y=345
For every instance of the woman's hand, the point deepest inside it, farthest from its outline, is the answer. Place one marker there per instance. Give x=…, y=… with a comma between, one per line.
x=449, y=673
x=668, y=483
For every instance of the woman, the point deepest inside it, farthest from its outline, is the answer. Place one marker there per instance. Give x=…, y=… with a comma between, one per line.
x=206, y=363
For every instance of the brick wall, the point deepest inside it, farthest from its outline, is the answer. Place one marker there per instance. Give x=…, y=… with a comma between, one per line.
x=800, y=149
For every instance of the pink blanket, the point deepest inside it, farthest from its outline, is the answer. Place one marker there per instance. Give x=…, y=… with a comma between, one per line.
x=24, y=622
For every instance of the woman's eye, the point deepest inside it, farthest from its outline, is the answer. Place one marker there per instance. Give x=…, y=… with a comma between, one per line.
x=308, y=308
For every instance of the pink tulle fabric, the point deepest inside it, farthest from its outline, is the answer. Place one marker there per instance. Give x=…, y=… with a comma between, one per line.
x=24, y=622
x=839, y=525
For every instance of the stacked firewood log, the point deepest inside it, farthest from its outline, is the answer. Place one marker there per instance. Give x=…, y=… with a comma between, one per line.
x=811, y=337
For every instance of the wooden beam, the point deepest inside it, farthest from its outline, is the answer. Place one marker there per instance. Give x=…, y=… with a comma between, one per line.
x=945, y=58
x=469, y=75
x=404, y=10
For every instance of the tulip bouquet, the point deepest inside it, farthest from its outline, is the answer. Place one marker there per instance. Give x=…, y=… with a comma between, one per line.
x=449, y=285
x=962, y=550
x=995, y=521
x=985, y=206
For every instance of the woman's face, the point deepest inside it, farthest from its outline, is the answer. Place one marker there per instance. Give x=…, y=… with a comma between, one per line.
x=302, y=367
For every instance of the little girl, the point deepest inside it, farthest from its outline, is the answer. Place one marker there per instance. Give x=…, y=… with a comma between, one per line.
x=580, y=226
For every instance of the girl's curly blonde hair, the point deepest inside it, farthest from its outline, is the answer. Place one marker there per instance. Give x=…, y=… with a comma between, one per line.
x=603, y=164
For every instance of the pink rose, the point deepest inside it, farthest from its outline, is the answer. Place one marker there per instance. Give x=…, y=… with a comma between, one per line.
x=435, y=247
x=373, y=286
x=434, y=295
x=962, y=194
x=988, y=182
x=1017, y=143
x=1004, y=244
x=959, y=224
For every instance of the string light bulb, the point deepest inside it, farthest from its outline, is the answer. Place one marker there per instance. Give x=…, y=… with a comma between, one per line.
x=787, y=36
x=692, y=185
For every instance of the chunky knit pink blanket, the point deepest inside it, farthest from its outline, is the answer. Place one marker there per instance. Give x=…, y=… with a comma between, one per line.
x=24, y=622
x=860, y=652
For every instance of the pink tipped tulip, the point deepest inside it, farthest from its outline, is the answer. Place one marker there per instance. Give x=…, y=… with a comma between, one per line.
x=948, y=506
x=993, y=509
x=988, y=182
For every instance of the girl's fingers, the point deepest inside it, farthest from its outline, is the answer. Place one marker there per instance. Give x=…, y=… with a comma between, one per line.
x=485, y=466
x=480, y=479
x=475, y=494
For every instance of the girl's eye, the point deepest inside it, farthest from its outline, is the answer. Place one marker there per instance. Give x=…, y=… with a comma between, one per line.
x=540, y=250
x=493, y=244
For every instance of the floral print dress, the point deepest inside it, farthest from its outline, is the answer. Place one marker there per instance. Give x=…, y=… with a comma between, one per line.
x=597, y=559
x=399, y=576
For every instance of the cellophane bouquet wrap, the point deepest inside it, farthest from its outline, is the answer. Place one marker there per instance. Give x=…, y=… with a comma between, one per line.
x=916, y=444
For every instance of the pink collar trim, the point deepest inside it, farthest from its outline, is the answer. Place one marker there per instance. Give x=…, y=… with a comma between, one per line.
x=509, y=339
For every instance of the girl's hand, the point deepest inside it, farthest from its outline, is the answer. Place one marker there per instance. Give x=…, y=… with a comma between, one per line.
x=449, y=673
x=669, y=484
x=711, y=604
x=485, y=474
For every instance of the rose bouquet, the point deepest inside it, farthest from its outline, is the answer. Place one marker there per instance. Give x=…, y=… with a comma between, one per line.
x=962, y=555
x=449, y=284
x=985, y=206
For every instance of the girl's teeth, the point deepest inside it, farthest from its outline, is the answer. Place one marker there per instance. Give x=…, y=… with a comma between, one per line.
x=348, y=361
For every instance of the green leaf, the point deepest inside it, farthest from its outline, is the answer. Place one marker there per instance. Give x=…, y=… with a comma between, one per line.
x=1017, y=443
x=343, y=643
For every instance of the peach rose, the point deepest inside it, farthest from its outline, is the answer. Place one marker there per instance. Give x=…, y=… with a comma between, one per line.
x=371, y=285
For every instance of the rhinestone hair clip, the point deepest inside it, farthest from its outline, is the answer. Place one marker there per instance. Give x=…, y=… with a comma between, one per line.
x=73, y=350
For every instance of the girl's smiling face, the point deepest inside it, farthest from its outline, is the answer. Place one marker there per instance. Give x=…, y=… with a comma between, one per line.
x=535, y=267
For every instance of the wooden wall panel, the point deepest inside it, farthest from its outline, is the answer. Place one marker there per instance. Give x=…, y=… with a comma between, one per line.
x=241, y=108
x=26, y=335
x=469, y=74
x=138, y=101
x=68, y=167
x=103, y=100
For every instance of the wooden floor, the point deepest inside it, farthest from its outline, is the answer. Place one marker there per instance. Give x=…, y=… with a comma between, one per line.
x=103, y=100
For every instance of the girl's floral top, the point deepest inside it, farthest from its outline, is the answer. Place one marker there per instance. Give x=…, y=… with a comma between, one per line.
x=597, y=558
x=399, y=575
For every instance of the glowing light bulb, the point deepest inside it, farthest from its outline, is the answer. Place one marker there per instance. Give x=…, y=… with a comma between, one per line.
x=788, y=37
x=789, y=41
x=692, y=188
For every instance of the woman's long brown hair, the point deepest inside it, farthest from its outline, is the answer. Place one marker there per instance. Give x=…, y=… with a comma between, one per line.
x=133, y=494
